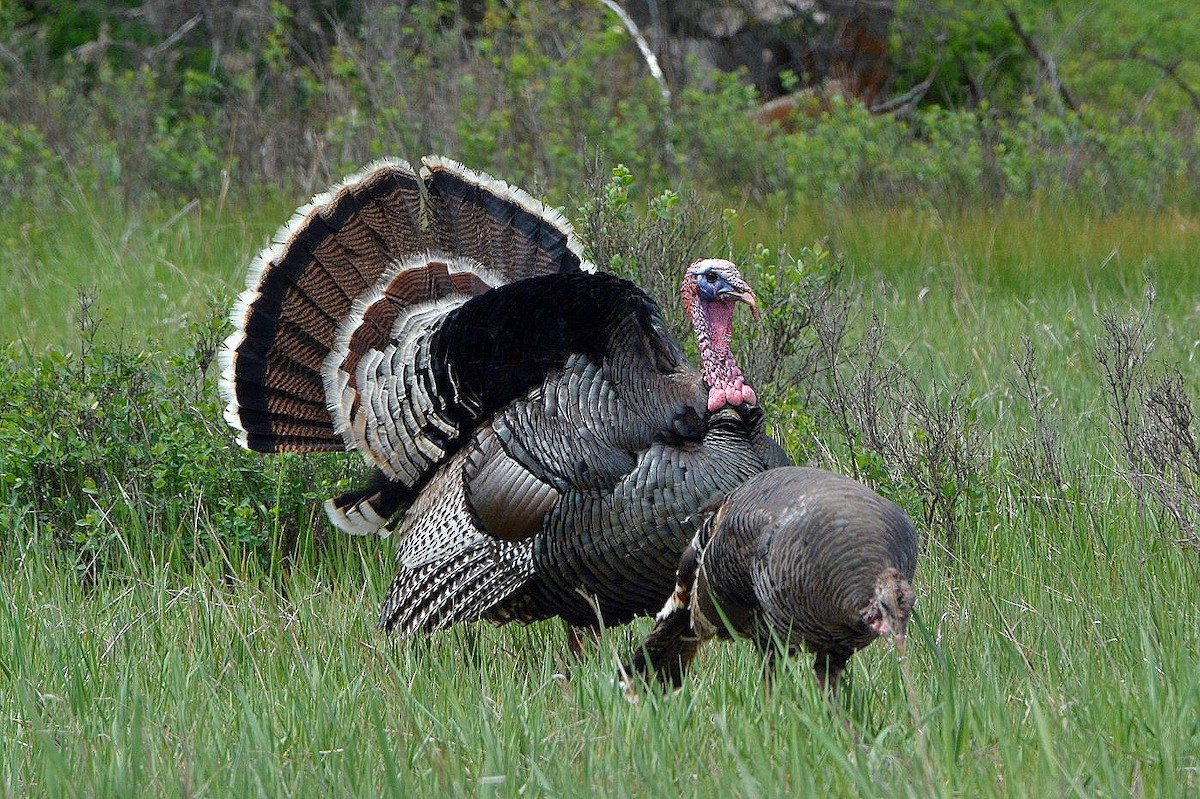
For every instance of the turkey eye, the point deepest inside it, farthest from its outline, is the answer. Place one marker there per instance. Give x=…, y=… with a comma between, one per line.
x=711, y=277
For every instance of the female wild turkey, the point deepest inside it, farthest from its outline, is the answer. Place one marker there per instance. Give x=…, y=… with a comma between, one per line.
x=796, y=557
x=548, y=437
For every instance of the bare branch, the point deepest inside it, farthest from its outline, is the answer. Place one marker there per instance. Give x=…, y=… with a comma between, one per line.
x=174, y=38
x=1171, y=70
x=902, y=103
x=1039, y=55
x=643, y=46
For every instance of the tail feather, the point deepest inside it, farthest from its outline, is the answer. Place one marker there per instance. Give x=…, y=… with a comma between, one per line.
x=346, y=268
x=278, y=373
x=437, y=595
x=296, y=396
x=368, y=510
x=299, y=290
x=285, y=434
x=387, y=207
x=371, y=323
x=477, y=216
x=381, y=397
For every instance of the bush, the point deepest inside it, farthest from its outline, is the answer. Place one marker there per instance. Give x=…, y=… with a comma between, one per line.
x=302, y=93
x=1151, y=413
x=106, y=452
x=959, y=157
x=29, y=169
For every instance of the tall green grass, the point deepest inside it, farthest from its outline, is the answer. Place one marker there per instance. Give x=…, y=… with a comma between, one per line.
x=1041, y=664
x=1055, y=649
x=153, y=270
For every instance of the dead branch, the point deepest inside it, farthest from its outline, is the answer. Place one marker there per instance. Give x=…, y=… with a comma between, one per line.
x=643, y=47
x=174, y=38
x=1044, y=60
x=902, y=103
x=1171, y=70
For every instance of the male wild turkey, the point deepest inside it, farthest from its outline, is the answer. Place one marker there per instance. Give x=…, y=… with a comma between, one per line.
x=796, y=557
x=548, y=437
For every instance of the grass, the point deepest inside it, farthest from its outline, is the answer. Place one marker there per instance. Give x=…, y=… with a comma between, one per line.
x=1055, y=648
x=153, y=271
x=1053, y=667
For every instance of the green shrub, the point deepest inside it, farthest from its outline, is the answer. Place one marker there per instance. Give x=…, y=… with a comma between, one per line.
x=958, y=157
x=29, y=169
x=305, y=92
x=118, y=456
x=720, y=147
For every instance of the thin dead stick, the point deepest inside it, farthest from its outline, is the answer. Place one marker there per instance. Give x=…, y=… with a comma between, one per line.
x=1046, y=62
x=644, y=46
x=907, y=100
x=173, y=39
x=1171, y=70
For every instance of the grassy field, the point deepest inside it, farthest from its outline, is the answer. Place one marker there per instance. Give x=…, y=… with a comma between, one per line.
x=1056, y=645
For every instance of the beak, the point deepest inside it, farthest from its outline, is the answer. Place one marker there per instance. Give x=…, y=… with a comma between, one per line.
x=748, y=298
x=900, y=634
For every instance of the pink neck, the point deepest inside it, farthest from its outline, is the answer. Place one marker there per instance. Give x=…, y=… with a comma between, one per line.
x=713, y=323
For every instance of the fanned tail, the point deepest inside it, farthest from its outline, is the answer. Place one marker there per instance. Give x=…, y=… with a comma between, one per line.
x=300, y=288
x=379, y=238
x=330, y=348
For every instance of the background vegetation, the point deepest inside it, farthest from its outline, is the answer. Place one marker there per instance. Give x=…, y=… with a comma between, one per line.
x=985, y=306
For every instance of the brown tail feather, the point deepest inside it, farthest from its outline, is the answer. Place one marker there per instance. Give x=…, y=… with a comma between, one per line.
x=299, y=289
x=479, y=217
x=344, y=269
